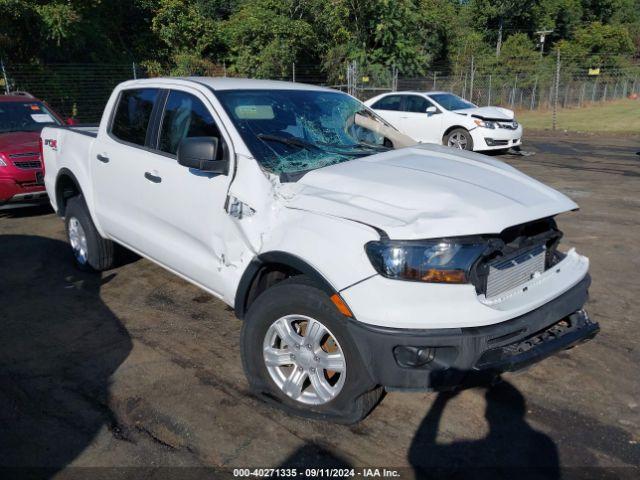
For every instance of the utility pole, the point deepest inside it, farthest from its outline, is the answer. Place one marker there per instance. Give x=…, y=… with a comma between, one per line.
x=555, y=93
x=543, y=35
x=499, y=44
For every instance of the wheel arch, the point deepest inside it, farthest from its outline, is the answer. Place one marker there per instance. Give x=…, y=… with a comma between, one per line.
x=67, y=186
x=451, y=129
x=269, y=268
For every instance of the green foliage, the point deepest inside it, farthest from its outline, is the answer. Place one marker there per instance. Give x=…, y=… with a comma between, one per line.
x=263, y=38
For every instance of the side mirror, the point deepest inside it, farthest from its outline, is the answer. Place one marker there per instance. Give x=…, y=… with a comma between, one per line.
x=71, y=121
x=431, y=110
x=200, y=153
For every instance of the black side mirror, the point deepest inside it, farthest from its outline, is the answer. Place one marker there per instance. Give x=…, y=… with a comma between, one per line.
x=201, y=154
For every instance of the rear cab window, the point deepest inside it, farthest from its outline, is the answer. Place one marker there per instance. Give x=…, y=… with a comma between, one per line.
x=133, y=113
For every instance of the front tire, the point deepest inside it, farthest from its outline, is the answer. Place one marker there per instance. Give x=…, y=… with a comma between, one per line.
x=459, y=138
x=91, y=252
x=298, y=354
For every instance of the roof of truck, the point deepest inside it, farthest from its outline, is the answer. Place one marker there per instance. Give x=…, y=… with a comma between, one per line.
x=232, y=83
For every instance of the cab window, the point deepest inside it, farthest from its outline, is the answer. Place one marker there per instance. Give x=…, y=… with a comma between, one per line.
x=133, y=113
x=184, y=116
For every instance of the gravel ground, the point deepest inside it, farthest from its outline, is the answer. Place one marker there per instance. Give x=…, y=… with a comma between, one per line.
x=137, y=368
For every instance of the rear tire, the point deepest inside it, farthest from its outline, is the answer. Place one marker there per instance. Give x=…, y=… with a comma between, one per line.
x=91, y=252
x=459, y=138
x=296, y=379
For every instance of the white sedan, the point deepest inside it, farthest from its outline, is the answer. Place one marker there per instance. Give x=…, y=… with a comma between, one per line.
x=445, y=118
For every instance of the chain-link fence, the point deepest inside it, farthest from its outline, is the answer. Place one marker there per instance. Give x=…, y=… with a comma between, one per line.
x=81, y=90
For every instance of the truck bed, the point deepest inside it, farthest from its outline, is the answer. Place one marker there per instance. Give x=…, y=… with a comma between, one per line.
x=67, y=148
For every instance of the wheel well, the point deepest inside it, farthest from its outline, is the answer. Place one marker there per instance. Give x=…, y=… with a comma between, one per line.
x=451, y=129
x=267, y=276
x=269, y=269
x=66, y=187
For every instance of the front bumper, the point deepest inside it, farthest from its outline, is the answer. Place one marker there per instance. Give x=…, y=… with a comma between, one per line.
x=16, y=192
x=472, y=355
x=485, y=139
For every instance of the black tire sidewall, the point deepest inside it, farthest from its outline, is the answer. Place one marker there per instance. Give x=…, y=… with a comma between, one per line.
x=77, y=208
x=287, y=298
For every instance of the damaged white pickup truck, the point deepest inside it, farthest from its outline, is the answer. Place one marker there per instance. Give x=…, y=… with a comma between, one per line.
x=358, y=261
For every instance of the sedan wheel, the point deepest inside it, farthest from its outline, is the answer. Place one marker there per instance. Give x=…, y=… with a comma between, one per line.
x=459, y=138
x=304, y=359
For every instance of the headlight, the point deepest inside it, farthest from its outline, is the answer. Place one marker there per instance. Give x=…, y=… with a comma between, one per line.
x=2, y=162
x=436, y=261
x=485, y=123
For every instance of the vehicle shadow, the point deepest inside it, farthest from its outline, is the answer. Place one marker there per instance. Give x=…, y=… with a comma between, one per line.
x=7, y=211
x=59, y=346
x=512, y=448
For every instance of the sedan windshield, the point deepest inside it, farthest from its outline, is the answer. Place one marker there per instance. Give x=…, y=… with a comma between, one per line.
x=449, y=101
x=292, y=131
x=25, y=117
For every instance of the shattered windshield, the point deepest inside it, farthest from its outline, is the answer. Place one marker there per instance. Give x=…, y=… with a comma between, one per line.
x=292, y=131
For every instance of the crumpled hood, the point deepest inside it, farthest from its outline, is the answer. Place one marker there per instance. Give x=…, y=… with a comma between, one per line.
x=494, y=113
x=427, y=191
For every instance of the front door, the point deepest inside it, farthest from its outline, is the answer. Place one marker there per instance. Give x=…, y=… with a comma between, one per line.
x=186, y=207
x=419, y=124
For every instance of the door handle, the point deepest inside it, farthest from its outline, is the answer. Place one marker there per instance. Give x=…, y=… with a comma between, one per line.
x=152, y=178
x=102, y=158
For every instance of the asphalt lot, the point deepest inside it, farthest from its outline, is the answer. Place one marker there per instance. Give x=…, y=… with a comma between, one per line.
x=138, y=368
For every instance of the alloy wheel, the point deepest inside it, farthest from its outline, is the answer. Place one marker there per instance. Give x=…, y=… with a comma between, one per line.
x=78, y=241
x=304, y=359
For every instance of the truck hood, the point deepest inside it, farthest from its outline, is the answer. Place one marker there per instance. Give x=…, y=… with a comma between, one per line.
x=488, y=113
x=427, y=191
x=19, y=142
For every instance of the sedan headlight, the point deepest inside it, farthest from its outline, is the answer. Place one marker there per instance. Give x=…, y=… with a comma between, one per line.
x=435, y=261
x=2, y=162
x=485, y=124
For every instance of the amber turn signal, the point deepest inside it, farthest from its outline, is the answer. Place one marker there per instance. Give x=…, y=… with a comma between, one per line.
x=444, y=276
x=340, y=305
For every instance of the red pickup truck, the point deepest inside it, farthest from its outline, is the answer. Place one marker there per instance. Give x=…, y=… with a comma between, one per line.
x=22, y=117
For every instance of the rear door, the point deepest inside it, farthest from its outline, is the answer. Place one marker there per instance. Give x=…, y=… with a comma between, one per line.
x=119, y=161
x=417, y=123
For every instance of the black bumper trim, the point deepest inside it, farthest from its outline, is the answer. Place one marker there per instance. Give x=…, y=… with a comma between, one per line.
x=479, y=353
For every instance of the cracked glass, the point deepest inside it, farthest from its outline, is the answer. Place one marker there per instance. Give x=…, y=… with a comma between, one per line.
x=295, y=131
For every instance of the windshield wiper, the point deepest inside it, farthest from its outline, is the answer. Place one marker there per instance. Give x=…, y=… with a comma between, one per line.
x=296, y=142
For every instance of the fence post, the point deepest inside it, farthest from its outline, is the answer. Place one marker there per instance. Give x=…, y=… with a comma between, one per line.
x=133, y=68
x=435, y=74
x=6, y=80
x=533, y=94
x=489, y=96
x=471, y=81
x=604, y=94
x=293, y=72
x=513, y=92
x=555, y=93
x=394, y=79
x=582, y=92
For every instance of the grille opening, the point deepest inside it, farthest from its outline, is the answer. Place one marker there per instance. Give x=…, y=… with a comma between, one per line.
x=535, y=242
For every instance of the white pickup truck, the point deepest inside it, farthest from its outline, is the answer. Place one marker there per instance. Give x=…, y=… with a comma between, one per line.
x=357, y=260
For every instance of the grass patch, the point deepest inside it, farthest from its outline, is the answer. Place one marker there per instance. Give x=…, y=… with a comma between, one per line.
x=618, y=116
